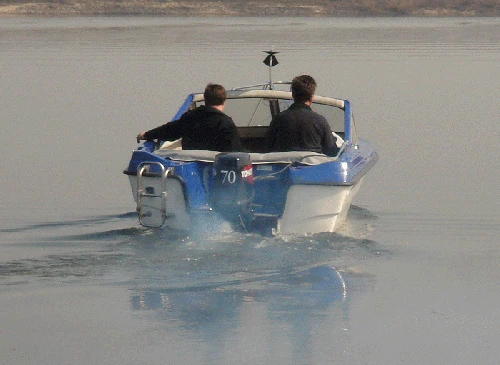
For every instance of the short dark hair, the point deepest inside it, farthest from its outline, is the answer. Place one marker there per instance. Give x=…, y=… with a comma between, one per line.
x=214, y=94
x=303, y=88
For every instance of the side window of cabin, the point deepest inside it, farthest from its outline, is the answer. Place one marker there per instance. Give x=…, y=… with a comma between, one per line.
x=334, y=116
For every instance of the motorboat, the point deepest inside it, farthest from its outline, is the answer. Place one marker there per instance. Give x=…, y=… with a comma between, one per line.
x=293, y=192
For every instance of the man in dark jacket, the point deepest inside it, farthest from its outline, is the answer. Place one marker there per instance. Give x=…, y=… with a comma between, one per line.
x=299, y=128
x=203, y=128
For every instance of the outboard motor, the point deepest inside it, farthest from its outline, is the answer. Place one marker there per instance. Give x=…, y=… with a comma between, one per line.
x=233, y=189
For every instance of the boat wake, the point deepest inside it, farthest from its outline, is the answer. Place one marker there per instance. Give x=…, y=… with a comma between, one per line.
x=204, y=283
x=173, y=260
x=102, y=219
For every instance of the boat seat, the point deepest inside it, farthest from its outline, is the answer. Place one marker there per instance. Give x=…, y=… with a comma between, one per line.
x=253, y=139
x=301, y=157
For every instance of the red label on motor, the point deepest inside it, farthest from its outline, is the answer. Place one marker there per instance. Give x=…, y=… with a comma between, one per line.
x=247, y=174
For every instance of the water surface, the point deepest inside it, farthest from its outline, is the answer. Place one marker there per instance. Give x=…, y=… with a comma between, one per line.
x=411, y=278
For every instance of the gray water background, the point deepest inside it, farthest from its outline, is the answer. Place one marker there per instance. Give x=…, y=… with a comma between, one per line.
x=81, y=282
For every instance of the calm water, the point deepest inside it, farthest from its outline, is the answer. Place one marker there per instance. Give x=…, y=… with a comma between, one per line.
x=413, y=277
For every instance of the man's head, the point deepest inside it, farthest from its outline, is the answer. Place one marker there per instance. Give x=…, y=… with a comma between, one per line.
x=214, y=95
x=303, y=88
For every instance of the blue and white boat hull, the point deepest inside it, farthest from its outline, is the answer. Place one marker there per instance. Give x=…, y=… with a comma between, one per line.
x=292, y=192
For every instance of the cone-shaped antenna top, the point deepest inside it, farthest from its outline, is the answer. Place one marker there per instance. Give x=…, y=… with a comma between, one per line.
x=271, y=59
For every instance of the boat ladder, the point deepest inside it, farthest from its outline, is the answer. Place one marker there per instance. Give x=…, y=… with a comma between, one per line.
x=152, y=199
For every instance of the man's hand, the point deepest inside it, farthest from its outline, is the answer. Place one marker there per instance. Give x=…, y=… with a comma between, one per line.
x=140, y=137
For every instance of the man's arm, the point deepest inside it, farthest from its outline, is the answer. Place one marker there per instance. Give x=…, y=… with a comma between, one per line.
x=167, y=132
x=329, y=145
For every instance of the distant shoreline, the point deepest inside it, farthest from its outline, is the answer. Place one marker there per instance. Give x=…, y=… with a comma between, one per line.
x=240, y=8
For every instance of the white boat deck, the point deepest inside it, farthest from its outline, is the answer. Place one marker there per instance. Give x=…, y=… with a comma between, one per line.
x=302, y=157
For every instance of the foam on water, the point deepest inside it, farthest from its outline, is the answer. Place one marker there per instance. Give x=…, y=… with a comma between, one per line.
x=173, y=259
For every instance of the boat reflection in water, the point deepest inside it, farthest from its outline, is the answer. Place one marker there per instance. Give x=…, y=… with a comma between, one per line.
x=212, y=312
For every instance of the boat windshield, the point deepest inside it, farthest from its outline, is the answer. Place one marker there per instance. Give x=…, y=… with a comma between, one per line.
x=257, y=112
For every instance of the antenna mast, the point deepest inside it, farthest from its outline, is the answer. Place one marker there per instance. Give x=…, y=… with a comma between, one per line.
x=271, y=61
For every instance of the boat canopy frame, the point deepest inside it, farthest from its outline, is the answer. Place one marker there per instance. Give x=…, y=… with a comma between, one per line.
x=273, y=94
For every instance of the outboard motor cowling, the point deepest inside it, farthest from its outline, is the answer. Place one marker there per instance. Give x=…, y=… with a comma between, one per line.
x=233, y=189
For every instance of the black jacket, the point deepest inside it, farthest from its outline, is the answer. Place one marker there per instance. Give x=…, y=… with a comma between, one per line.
x=300, y=129
x=203, y=128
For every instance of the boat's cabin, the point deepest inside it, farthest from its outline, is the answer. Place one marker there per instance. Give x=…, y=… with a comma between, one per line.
x=252, y=111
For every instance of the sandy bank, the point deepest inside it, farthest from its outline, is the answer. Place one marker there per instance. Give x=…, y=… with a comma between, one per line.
x=246, y=8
